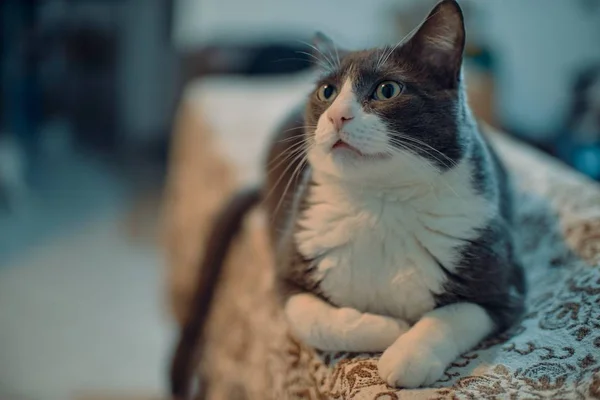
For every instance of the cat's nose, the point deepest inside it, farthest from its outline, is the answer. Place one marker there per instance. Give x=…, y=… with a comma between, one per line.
x=339, y=116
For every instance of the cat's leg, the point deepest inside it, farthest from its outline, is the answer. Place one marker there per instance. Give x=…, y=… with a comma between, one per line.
x=325, y=327
x=420, y=356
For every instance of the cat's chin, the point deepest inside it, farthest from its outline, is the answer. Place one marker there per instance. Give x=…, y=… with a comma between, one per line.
x=347, y=165
x=345, y=154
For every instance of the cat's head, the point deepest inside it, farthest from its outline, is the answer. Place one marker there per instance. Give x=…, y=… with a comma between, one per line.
x=387, y=111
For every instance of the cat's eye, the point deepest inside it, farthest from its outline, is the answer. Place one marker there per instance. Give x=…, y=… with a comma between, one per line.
x=387, y=90
x=327, y=93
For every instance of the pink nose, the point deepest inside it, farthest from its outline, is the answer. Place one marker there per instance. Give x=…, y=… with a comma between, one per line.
x=339, y=116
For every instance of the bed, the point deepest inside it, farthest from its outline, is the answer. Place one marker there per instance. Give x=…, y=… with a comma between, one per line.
x=221, y=131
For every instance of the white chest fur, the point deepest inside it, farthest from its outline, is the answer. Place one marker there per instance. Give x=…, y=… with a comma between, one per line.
x=378, y=251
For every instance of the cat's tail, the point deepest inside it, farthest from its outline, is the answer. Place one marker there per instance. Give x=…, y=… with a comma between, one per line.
x=191, y=341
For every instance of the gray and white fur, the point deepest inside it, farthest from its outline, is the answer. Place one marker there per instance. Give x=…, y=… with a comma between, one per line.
x=391, y=215
x=392, y=227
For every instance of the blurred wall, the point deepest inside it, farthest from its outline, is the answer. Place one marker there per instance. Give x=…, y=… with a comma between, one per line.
x=355, y=23
x=146, y=69
x=539, y=44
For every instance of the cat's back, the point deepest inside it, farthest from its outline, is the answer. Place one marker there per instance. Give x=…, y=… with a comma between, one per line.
x=490, y=175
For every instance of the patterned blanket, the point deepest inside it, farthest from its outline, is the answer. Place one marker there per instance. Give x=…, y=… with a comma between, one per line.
x=553, y=352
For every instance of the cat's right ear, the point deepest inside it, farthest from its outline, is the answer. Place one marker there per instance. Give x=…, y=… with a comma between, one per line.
x=326, y=51
x=440, y=41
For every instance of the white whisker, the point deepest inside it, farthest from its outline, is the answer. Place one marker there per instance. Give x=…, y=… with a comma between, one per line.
x=298, y=137
x=416, y=148
x=408, y=149
x=329, y=61
x=318, y=61
x=287, y=155
x=299, y=153
x=408, y=153
x=413, y=139
x=296, y=171
x=431, y=165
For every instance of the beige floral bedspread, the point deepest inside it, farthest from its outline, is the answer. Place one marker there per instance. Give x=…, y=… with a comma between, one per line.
x=553, y=353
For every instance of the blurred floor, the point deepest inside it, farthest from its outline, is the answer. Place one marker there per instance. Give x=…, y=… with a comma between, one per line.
x=81, y=302
x=64, y=189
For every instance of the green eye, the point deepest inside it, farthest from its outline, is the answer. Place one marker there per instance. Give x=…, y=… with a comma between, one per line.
x=327, y=93
x=387, y=90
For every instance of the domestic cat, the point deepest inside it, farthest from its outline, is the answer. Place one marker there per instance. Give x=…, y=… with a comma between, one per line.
x=391, y=215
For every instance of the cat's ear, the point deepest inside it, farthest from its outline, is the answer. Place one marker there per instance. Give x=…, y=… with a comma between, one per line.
x=440, y=40
x=326, y=51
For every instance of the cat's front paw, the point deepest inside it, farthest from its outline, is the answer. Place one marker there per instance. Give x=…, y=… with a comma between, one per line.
x=368, y=332
x=410, y=365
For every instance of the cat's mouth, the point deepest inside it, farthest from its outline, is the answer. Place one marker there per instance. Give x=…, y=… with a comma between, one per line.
x=340, y=144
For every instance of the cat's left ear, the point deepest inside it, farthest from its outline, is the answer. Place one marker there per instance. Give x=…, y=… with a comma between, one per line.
x=326, y=51
x=440, y=41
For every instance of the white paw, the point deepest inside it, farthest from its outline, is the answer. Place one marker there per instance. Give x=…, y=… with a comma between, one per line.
x=410, y=365
x=369, y=332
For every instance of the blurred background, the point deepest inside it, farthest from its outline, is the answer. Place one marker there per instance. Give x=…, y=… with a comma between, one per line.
x=89, y=91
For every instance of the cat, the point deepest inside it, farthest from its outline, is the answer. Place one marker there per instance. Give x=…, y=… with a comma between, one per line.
x=391, y=214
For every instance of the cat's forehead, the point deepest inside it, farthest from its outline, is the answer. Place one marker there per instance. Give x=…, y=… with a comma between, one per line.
x=369, y=65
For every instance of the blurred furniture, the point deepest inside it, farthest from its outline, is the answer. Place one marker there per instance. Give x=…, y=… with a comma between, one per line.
x=91, y=77
x=220, y=132
x=20, y=95
x=20, y=90
x=578, y=144
x=107, y=68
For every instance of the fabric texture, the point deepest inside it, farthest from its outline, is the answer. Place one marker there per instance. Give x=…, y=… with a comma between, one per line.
x=553, y=352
